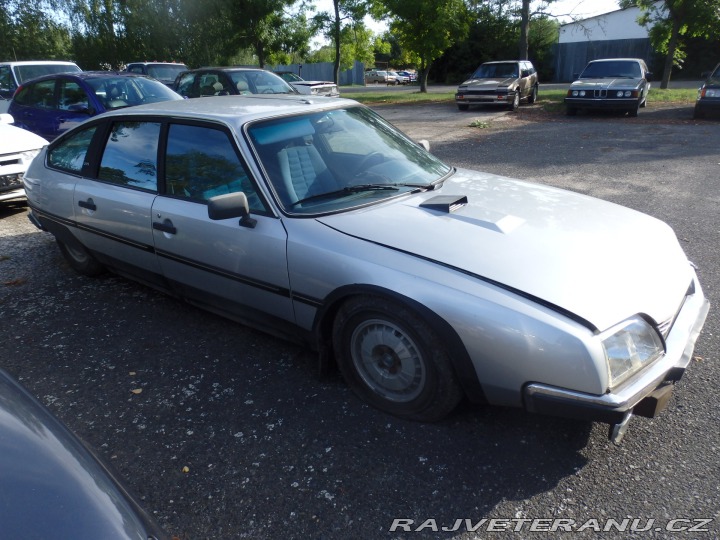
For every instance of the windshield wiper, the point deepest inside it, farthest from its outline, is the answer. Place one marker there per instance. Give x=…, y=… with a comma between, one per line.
x=347, y=190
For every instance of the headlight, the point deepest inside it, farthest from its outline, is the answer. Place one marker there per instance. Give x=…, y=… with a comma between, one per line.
x=619, y=93
x=582, y=93
x=712, y=92
x=28, y=155
x=631, y=346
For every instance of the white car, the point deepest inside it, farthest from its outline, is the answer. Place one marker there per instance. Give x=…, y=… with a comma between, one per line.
x=319, y=221
x=313, y=88
x=18, y=147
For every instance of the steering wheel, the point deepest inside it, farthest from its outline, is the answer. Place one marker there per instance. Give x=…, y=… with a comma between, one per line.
x=372, y=157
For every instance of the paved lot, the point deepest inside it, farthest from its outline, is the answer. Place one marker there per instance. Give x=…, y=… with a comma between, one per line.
x=273, y=451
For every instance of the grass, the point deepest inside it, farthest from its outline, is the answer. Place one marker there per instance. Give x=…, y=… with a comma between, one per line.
x=551, y=100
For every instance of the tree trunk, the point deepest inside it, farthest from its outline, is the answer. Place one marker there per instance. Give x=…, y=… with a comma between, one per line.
x=524, y=30
x=672, y=46
x=336, y=34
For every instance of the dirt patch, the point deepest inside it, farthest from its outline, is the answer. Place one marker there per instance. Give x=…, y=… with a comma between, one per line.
x=654, y=113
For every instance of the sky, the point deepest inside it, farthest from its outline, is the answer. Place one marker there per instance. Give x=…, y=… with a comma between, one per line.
x=566, y=10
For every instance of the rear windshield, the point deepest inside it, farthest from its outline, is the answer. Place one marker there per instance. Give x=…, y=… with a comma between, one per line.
x=25, y=73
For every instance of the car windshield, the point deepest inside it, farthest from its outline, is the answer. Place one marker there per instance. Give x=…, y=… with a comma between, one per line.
x=496, y=71
x=25, y=73
x=716, y=73
x=339, y=159
x=163, y=72
x=119, y=92
x=617, y=69
x=261, y=82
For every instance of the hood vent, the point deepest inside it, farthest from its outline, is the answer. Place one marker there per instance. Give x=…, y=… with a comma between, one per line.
x=445, y=203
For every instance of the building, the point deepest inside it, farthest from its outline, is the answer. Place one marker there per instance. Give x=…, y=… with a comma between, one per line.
x=612, y=35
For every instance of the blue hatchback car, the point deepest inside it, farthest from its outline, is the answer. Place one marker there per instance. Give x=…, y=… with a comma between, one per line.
x=52, y=104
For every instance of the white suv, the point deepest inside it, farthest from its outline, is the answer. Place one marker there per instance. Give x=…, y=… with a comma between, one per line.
x=13, y=74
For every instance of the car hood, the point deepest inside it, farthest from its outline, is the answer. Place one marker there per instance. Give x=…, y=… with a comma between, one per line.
x=313, y=83
x=488, y=83
x=598, y=260
x=14, y=139
x=601, y=84
x=713, y=82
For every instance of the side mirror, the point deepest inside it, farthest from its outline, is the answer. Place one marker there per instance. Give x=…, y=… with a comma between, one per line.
x=425, y=144
x=231, y=205
x=648, y=76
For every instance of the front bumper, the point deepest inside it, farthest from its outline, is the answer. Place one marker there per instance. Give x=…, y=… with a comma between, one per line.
x=602, y=103
x=708, y=105
x=646, y=394
x=11, y=187
x=484, y=99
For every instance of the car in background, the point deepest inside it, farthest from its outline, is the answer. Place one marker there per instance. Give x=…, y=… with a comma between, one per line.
x=401, y=79
x=375, y=76
x=18, y=147
x=52, y=104
x=708, y=99
x=319, y=221
x=165, y=72
x=506, y=83
x=313, y=88
x=13, y=74
x=53, y=486
x=230, y=81
x=617, y=84
x=411, y=75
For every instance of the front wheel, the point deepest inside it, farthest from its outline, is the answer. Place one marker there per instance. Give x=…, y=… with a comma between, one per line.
x=80, y=259
x=532, y=98
x=463, y=107
x=393, y=360
x=515, y=102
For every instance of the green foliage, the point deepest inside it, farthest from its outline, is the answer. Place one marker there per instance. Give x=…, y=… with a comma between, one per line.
x=20, y=20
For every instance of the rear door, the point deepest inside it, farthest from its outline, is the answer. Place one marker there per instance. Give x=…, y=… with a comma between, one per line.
x=112, y=211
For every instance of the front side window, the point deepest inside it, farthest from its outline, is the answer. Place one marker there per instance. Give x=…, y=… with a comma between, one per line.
x=130, y=156
x=72, y=97
x=201, y=162
x=70, y=154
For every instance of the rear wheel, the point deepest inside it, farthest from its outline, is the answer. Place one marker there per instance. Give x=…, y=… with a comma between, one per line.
x=393, y=360
x=80, y=259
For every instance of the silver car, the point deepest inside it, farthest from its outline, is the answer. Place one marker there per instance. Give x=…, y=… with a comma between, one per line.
x=618, y=84
x=422, y=283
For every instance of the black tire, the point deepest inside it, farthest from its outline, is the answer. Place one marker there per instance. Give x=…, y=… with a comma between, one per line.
x=393, y=360
x=515, y=102
x=634, y=111
x=80, y=260
x=698, y=113
x=570, y=111
x=463, y=107
x=532, y=98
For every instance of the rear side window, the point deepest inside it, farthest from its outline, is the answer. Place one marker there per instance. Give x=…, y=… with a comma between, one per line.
x=201, y=162
x=70, y=154
x=40, y=95
x=130, y=156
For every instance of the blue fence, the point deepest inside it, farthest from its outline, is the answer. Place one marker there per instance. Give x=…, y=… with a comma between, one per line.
x=323, y=71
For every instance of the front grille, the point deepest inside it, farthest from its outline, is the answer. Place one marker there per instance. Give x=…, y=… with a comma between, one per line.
x=10, y=181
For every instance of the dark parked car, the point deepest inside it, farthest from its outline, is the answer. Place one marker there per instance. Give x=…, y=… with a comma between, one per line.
x=50, y=105
x=230, y=81
x=318, y=220
x=165, y=72
x=505, y=83
x=620, y=84
x=708, y=100
x=52, y=485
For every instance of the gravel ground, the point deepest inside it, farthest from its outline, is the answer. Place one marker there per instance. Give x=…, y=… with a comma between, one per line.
x=272, y=450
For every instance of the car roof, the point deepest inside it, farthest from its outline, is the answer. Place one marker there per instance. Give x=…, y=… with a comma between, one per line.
x=233, y=110
x=90, y=75
x=158, y=63
x=38, y=63
x=616, y=59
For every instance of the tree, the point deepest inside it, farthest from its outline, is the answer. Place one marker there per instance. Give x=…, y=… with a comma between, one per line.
x=672, y=22
x=19, y=20
x=426, y=28
x=345, y=13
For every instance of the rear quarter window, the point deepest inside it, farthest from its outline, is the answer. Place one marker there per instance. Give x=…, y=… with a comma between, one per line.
x=70, y=154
